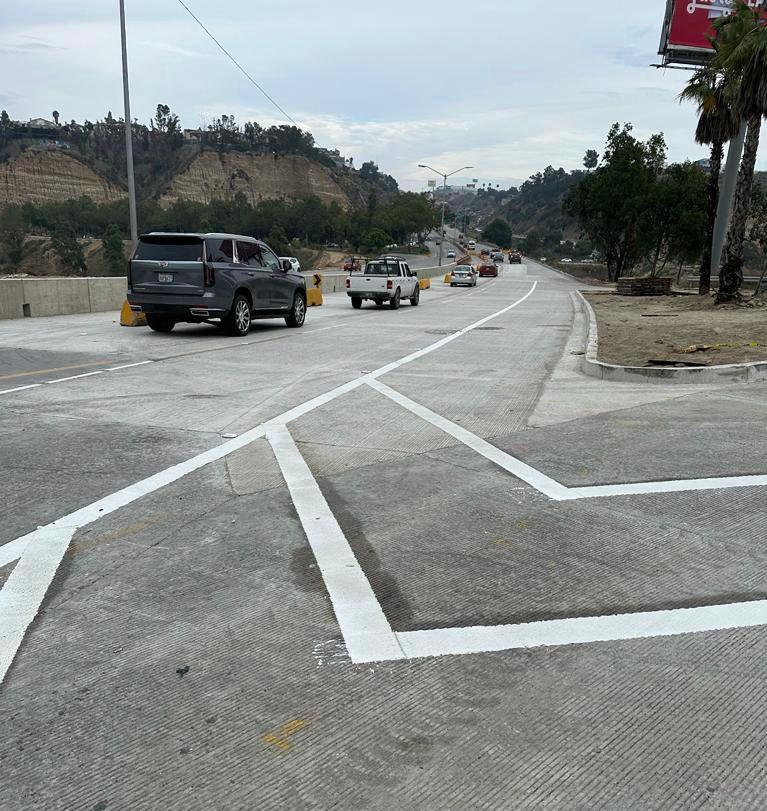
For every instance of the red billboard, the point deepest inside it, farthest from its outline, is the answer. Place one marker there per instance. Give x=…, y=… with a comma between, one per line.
x=688, y=26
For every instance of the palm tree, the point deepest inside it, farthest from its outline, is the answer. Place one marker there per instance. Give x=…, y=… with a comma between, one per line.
x=717, y=124
x=741, y=55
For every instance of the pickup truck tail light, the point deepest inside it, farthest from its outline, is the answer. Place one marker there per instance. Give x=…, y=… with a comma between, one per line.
x=389, y=284
x=208, y=275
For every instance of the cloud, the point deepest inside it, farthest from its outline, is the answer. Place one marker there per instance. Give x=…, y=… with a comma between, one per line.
x=27, y=45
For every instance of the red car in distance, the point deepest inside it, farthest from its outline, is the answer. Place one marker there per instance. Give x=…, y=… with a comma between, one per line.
x=488, y=269
x=352, y=264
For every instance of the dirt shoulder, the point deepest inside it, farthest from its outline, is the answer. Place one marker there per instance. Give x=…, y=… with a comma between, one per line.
x=687, y=329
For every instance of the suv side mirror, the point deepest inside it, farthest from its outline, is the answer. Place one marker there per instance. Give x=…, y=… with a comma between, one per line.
x=286, y=266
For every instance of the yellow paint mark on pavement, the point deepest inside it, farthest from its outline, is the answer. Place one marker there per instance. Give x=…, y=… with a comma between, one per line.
x=56, y=369
x=97, y=540
x=279, y=739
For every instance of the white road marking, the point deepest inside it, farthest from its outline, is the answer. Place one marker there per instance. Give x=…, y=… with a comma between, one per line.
x=33, y=589
x=553, y=489
x=21, y=388
x=673, y=486
x=75, y=377
x=579, y=631
x=366, y=631
x=25, y=588
x=129, y=365
x=13, y=550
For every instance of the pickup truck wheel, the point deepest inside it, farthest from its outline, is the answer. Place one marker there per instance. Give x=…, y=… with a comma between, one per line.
x=356, y=303
x=394, y=302
x=237, y=322
x=160, y=323
x=297, y=312
x=415, y=298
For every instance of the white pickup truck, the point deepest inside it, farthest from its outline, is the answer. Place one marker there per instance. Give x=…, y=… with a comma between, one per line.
x=383, y=280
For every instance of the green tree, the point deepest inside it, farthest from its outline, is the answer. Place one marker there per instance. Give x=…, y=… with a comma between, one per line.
x=609, y=202
x=376, y=239
x=741, y=55
x=498, y=232
x=718, y=122
x=65, y=243
x=591, y=160
x=278, y=240
x=13, y=233
x=114, y=250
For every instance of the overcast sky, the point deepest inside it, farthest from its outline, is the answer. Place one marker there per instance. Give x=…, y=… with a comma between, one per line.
x=507, y=86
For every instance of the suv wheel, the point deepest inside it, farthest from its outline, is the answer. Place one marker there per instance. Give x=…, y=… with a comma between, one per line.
x=239, y=318
x=160, y=323
x=394, y=302
x=297, y=312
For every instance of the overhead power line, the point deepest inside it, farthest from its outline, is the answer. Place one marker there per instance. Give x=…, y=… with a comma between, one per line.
x=235, y=62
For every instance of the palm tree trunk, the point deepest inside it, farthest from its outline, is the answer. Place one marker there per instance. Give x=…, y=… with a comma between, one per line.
x=717, y=154
x=731, y=276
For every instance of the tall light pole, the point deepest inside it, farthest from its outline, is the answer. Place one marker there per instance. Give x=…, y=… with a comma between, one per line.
x=128, y=133
x=444, y=176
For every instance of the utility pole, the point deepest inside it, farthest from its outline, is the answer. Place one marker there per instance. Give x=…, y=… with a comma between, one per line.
x=444, y=176
x=128, y=132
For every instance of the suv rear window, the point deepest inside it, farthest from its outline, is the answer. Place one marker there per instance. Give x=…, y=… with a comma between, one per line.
x=381, y=269
x=169, y=250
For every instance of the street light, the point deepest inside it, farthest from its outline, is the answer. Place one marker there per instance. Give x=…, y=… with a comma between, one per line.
x=128, y=133
x=444, y=176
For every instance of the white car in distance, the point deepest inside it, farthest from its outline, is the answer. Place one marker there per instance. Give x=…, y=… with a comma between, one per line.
x=294, y=263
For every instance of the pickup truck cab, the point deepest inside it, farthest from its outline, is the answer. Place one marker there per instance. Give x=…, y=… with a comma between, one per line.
x=384, y=280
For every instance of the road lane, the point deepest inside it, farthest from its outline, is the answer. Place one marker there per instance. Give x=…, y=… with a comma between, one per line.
x=195, y=618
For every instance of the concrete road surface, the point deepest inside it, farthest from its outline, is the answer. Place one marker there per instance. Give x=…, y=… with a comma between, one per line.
x=396, y=559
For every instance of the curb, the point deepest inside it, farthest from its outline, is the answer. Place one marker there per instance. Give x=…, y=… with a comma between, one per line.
x=728, y=373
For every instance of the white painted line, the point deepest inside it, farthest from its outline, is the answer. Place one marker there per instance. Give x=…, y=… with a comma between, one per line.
x=553, y=489
x=366, y=631
x=74, y=377
x=677, y=486
x=579, y=631
x=26, y=586
x=129, y=365
x=21, y=388
x=86, y=515
x=13, y=550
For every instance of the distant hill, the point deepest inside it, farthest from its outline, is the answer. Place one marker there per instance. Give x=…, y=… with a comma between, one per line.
x=536, y=204
x=44, y=161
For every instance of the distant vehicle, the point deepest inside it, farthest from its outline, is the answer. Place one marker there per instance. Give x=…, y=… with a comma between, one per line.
x=383, y=280
x=498, y=258
x=451, y=254
x=463, y=275
x=486, y=269
x=294, y=263
x=484, y=252
x=472, y=244
x=332, y=245
x=223, y=279
x=352, y=263
x=439, y=242
x=515, y=258
x=567, y=261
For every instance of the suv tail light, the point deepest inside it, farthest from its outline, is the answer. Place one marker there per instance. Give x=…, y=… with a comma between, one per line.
x=389, y=284
x=208, y=275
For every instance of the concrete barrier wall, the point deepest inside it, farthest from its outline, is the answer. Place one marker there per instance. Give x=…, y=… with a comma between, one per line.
x=52, y=295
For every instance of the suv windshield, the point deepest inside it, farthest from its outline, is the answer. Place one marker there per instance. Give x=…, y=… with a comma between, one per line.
x=169, y=250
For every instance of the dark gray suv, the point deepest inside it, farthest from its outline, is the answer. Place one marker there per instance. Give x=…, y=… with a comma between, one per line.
x=218, y=278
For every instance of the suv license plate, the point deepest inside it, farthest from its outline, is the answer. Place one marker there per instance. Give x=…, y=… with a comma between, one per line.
x=164, y=277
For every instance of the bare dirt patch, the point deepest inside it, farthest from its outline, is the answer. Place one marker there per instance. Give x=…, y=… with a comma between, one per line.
x=686, y=329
